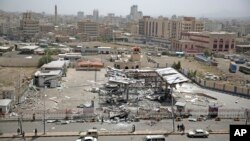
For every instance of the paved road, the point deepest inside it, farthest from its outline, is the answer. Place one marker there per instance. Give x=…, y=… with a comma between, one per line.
x=224, y=137
x=11, y=127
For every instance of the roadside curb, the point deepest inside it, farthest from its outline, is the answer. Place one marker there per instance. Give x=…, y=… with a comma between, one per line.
x=71, y=134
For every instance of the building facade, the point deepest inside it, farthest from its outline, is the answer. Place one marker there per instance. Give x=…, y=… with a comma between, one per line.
x=168, y=28
x=89, y=28
x=198, y=42
x=29, y=25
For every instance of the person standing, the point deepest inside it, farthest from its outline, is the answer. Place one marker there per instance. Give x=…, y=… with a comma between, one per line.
x=178, y=127
x=183, y=128
x=35, y=132
x=18, y=131
x=23, y=135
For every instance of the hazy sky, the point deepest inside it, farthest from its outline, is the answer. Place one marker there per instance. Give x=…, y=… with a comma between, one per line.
x=206, y=8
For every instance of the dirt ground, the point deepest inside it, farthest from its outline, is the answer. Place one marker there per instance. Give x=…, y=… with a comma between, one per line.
x=9, y=75
x=192, y=64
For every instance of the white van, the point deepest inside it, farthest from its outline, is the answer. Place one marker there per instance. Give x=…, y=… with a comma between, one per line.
x=155, y=138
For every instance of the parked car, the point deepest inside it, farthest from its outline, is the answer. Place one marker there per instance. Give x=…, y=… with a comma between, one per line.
x=198, y=133
x=192, y=119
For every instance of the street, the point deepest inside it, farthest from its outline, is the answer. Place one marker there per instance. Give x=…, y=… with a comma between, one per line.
x=223, y=125
x=221, y=137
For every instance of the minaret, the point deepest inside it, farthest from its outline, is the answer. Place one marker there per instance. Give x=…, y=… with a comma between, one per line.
x=55, y=15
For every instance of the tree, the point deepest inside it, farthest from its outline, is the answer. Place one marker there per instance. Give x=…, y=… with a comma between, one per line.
x=206, y=53
x=174, y=65
x=44, y=60
x=178, y=65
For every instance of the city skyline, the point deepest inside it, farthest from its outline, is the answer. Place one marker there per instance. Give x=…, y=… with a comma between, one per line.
x=204, y=8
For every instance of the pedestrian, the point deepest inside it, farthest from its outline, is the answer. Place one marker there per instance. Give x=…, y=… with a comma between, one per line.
x=23, y=135
x=183, y=128
x=133, y=128
x=178, y=127
x=35, y=132
x=18, y=131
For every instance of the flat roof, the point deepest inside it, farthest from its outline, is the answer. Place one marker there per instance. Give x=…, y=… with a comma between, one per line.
x=5, y=102
x=180, y=104
x=1, y=47
x=29, y=47
x=48, y=73
x=54, y=64
x=171, y=76
x=242, y=45
x=221, y=32
x=104, y=47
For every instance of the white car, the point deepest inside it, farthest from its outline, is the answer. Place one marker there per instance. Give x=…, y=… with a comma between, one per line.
x=198, y=133
x=88, y=138
x=192, y=119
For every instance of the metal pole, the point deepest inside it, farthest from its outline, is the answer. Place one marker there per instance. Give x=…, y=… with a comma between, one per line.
x=44, y=111
x=172, y=107
x=95, y=76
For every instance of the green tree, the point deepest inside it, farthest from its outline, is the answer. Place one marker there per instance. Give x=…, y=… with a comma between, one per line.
x=44, y=60
x=174, y=65
x=178, y=65
x=206, y=53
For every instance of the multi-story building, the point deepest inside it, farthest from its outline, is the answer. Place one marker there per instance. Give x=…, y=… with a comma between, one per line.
x=198, y=42
x=133, y=28
x=168, y=29
x=80, y=15
x=29, y=26
x=96, y=15
x=134, y=13
x=151, y=27
x=45, y=28
x=89, y=28
x=106, y=31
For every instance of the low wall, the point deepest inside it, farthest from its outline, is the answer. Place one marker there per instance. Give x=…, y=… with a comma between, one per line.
x=226, y=88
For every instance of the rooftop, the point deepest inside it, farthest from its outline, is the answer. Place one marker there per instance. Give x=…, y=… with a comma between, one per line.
x=48, y=73
x=54, y=64
x=171, y=76
x=243, y=45
x=29, y=47
x=5, y=102
x=1, y=47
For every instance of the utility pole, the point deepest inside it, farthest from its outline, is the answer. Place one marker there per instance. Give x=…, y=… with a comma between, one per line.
x=172, y=108
x=44, y=125
x=20, y=118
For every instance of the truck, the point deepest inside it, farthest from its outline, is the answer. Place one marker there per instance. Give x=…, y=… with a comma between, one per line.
x=232, y=67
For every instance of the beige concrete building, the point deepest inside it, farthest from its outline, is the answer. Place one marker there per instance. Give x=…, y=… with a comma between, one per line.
x=151, y=27
x=133, y=62
x=133, y=28
x=29, y=25
x=168, y=28
x=46, y=28
x=198, y=42
x=89, y=28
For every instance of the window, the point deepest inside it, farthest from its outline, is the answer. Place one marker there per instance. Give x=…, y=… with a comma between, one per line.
x=215, y=46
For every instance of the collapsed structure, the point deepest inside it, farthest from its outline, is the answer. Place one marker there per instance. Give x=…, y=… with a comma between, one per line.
x=135, y=88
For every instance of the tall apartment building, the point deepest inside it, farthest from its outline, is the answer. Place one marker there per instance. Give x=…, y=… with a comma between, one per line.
x=80, y=15
x=28, y=25
x=151, y=27
x=96, y=15
x=198, y=42
x=134, y=13
x=89, y=28
x=168, y=28
x=55, y=22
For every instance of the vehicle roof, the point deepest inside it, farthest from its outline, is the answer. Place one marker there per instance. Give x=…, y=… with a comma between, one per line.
x=155, y=136
x=199, y=130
